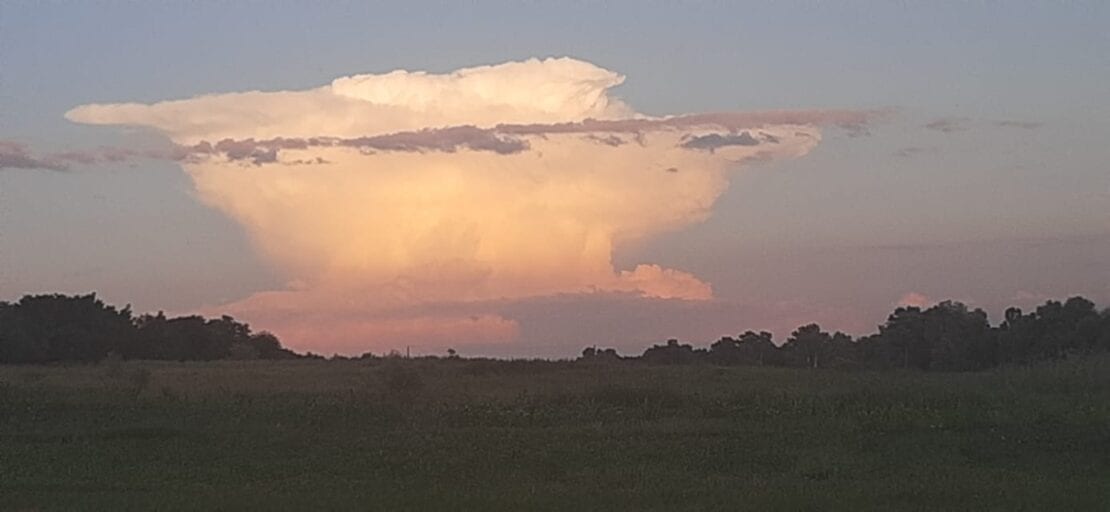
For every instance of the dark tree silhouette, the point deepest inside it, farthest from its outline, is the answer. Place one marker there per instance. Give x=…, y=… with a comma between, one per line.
x=49, y=328
x=671, y=353
x=901, y=339
x=809, y=347
x=52, y=328
x=1053, y=331
x=946, y=337
x=750, y=348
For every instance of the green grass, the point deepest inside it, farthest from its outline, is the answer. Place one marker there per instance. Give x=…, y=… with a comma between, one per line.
x=456, y=435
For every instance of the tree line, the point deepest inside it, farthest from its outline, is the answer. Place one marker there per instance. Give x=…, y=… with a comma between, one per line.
x=944, y=337
x=82, y=328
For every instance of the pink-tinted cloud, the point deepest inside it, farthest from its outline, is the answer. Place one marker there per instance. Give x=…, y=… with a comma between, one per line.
x=914, y=299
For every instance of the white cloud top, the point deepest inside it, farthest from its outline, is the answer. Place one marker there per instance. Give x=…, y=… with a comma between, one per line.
x=533, y=91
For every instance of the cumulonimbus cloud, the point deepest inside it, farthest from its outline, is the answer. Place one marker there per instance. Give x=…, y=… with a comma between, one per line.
x=376, y=194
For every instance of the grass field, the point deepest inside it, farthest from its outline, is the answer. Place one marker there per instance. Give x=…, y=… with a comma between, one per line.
x=459, y=435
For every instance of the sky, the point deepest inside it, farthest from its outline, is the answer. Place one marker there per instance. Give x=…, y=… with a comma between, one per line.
x=437, y=185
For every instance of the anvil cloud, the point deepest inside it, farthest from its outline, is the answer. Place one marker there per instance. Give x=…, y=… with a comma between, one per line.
x=383, y=197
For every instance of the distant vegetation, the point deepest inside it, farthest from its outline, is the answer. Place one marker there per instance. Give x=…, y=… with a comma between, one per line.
x=82, y=328
x=946, y=337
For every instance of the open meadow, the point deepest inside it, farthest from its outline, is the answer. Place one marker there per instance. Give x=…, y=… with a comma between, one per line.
x=429, y=434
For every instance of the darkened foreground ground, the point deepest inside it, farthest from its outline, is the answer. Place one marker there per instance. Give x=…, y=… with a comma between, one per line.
x=473, y=435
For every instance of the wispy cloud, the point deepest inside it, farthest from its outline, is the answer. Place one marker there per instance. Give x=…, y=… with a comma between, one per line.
x=1024, y=125
x=713, y=141
x=14, y=155
x=959, y=124
x=948, y=124
x=913, y=151
x=501, y=139
x=507, y=139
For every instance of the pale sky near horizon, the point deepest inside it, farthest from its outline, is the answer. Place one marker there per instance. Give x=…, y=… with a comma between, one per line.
x=987, y=179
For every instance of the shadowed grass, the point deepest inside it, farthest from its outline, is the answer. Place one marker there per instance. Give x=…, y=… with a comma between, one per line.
x=466, y=435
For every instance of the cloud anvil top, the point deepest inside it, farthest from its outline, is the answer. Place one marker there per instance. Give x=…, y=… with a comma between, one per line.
x=379, y=193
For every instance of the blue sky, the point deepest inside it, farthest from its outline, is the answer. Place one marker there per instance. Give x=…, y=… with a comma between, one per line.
x=987, y=213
